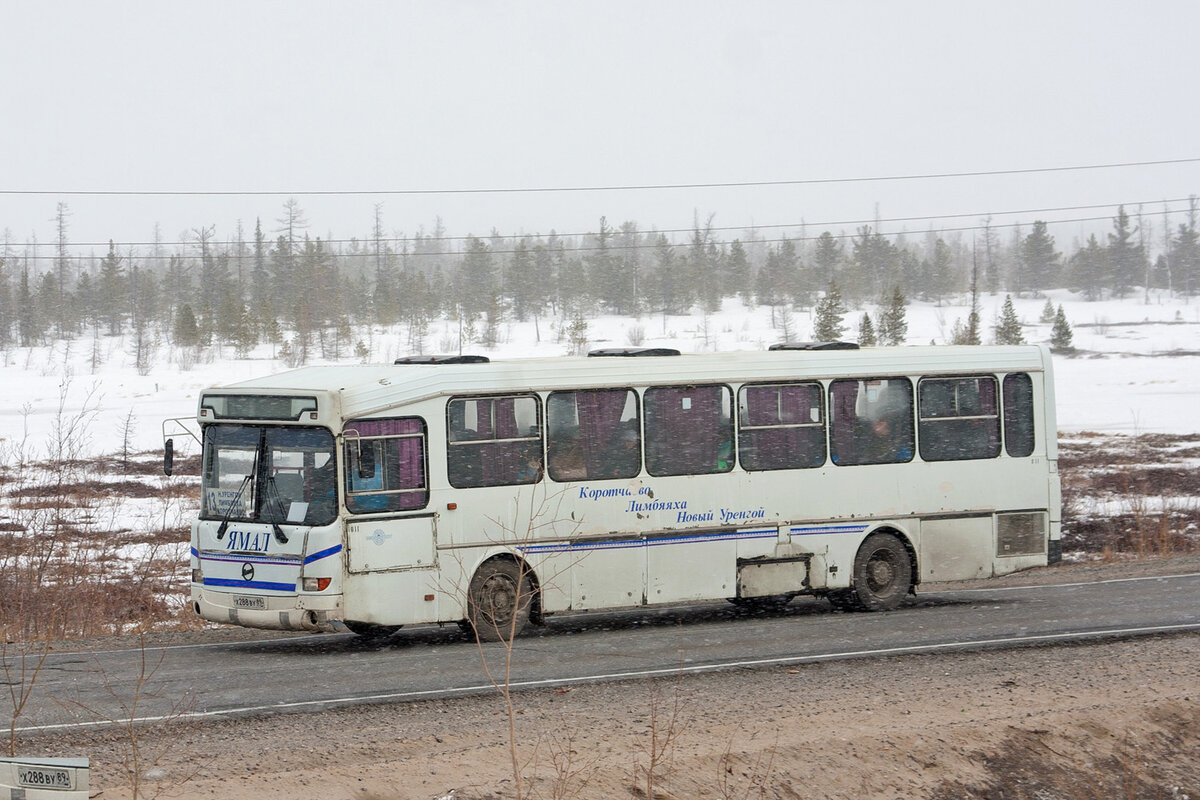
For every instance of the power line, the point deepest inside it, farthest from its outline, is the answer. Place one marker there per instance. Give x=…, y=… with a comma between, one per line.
x=390, y=240
x=596, y=188
x=841, y=236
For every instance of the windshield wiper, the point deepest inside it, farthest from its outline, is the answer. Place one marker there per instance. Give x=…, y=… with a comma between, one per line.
x=229, y=511
x=274, y=495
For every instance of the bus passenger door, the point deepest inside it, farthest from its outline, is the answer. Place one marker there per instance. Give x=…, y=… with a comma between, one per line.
x=397, y=543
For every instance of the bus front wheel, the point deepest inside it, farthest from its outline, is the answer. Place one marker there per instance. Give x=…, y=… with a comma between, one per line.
x=882, y=573
x=499, y=600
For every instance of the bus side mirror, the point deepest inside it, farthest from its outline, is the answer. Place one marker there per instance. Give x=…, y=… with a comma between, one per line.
x=366, y=462
x=168, y=456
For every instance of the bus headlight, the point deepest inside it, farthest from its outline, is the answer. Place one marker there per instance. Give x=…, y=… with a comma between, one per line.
x=316, y=584
x=197, y=575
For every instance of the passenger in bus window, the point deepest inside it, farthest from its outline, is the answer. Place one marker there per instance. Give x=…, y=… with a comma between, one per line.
x=566, y=460
x=531, y=470
x=621, y=457
x=887, y=443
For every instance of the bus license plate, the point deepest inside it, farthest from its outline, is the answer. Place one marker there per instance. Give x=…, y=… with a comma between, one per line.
x=44, y=778
x=259, y=603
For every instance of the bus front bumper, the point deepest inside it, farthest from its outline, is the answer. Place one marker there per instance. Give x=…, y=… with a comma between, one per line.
x=295, y=612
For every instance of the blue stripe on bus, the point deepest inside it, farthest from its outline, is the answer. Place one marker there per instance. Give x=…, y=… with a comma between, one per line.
x=629, y=544
x=329, y=551
x=235, y=584
x=244, y=558
x=810, y=530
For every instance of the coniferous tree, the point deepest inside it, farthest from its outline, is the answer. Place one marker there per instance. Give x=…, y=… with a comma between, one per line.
x=1061, y=336
x=522, y=281
x=1088, y=269
x=186, y=332
x=938, y=272
x=1008, y=327
x=1126, y=258
x=6, y=316
x=866, y=331
x=875, y=264
x=737, y=272
x=827, y=326
x=892, y=329
x=29, y=319
x=477, y=282
x=1038, y=261
x=112, y=290
x=828, y=258
x=1047, y=314
x=630, y=256
x=1184, y=253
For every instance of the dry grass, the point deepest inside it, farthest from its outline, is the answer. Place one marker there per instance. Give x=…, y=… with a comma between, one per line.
x=1130, y=496
x=90, y=547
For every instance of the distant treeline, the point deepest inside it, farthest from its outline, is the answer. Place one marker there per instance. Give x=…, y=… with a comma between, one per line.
x=302, y=292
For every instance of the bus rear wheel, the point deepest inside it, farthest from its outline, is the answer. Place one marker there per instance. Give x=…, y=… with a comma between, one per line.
x=499, y=601
x=882, y=573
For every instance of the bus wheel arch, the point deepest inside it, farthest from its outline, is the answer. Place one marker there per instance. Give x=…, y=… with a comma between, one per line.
x=502, y=598
x=884, y=572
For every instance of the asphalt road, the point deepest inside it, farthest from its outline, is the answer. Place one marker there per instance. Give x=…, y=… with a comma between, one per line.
x=314, y=672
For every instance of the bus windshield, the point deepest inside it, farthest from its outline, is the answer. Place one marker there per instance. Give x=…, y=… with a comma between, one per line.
x=281, y=475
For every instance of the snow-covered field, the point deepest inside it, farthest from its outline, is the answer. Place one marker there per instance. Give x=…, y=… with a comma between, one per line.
x=1138, y=369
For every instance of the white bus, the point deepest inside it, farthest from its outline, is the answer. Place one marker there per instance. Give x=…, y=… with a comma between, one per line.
x=495, y=493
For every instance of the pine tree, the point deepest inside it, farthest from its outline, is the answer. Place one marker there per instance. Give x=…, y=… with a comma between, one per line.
x=1047, y=314
x=1037, y=260
x=866, y=331
x=1061, y=336
x=1008, y=327
x=186, y=332
x=737, y=272
x=827, y=258
x=112, y=290
x=828, y=327
x=892, y=329
x=1127, y=259
x=1088, y=269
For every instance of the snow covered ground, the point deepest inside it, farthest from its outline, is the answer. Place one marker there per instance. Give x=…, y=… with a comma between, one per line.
x=1138, y=369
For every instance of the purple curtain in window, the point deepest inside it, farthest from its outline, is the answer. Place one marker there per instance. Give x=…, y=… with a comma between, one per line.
x=762, y=405
x=506, y=418
x=987, y=395
x=685, y=440
x=599, y=423
x=796, y=404
x=842, y=397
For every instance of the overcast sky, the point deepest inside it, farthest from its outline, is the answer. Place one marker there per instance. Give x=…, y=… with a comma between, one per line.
x=302, y=97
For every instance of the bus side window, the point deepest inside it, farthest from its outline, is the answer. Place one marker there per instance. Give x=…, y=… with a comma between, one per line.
x=958, y=418
x=494, y=441
x=386, y=465
x=781, y=426
x=593, y=435
x=1018, y=415
x=871, y=421
x=689, y=430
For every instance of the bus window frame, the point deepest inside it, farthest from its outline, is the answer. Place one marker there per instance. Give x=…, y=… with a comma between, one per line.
x=821, y=424
x=923, y=421
x=353, y=439
x=532, y=467
x=720, y=465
